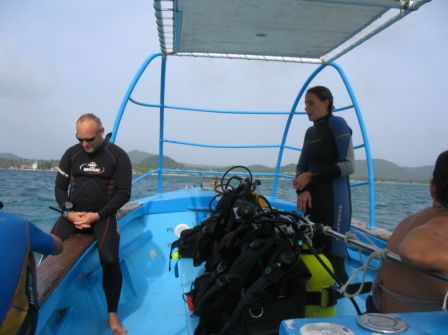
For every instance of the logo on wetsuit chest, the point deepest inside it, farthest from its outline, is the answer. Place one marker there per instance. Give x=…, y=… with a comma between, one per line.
x=92, y=168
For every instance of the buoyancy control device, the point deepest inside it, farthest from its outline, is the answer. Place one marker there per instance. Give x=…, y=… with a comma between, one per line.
x=255, y=271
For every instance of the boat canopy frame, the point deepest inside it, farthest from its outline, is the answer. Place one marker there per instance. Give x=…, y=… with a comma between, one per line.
x=305, y=31
x=276, y=175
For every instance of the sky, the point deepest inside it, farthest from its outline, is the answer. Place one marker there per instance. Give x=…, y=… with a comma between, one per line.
x=61, y=59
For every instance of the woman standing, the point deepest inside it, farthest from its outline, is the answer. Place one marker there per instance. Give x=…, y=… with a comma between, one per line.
x=322, y=174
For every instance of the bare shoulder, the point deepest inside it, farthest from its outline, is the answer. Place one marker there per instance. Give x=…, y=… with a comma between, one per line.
x=411, y=223
x=438, y=225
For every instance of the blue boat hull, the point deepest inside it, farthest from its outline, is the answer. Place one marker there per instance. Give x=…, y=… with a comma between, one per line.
x=152, y=296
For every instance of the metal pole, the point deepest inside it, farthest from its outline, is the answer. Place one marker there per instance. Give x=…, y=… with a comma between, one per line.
x=365, y=138
x=161, y=124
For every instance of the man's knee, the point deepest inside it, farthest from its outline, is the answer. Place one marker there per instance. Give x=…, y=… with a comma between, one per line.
x=109, y=261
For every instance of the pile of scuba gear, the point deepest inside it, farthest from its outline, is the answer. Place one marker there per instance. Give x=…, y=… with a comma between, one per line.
x=256, y=273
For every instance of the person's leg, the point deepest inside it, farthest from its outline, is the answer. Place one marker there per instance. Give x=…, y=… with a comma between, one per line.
x=108, y=240
x=370, y=306
x=339, y=267
x=342, y=214
x=63, y=228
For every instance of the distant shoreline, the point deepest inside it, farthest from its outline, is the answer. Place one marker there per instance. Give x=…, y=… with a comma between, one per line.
x=18, y=169
x=172, y=174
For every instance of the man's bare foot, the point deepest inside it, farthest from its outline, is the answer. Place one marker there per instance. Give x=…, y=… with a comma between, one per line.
x=115, y=325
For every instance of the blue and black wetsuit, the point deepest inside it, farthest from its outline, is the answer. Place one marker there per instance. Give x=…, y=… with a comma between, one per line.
x=97, y=182
x=18, y=293
x=328, y=153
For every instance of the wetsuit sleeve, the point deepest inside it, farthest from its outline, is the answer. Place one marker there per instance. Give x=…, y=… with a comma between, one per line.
x=344, y=166
x=302, y=165
x=40, y=241
x=123, y=179
x=63, y=180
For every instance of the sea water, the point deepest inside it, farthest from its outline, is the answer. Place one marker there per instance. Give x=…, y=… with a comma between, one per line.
x=30, y=193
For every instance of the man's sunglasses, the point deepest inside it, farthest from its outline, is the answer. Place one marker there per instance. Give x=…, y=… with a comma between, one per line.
x=88, y=140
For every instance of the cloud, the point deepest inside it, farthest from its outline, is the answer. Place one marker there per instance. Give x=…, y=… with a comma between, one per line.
x=22, y=79
x=60, y=59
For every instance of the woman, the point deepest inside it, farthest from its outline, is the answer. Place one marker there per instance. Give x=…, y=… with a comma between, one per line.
x=322, y=175
x=421, y=239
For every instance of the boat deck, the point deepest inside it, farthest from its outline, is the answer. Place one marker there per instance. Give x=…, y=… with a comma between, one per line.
x=163, y=293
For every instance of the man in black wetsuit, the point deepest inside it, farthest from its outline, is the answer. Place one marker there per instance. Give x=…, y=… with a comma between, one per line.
x=93, y=182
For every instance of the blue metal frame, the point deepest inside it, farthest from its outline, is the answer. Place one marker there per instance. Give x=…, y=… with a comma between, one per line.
x=282, y=146
x=162, y=125
x=371, y=180
x=128, y=93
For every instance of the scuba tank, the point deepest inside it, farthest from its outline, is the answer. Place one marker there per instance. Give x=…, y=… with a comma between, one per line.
x=320, y=301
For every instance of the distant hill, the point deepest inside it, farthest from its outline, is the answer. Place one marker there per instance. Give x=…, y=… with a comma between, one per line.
x=169, y=163
x=386, y=170
x=143, y=161
x=8, y=155
x=383, y=169
x=137, y=157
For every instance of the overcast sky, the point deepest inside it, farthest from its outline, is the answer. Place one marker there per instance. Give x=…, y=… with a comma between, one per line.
x=60, y=59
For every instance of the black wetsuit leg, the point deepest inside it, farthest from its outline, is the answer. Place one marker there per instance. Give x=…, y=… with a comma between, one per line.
x=108, y=238
x=370, y=306
x=63, y=228
x=322, y=211
x=339, y=267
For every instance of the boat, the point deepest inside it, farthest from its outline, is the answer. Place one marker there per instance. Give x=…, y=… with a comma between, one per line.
x=153, y=297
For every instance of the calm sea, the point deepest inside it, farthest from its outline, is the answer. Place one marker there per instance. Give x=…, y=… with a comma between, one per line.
x=29, y=193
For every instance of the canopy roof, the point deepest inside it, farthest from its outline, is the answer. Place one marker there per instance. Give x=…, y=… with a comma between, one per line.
x=312, y=31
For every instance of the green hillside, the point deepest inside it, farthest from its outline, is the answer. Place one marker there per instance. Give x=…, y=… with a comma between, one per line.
x=138, y=156
x=7, y=155
x=386, y=170
x=143, y=162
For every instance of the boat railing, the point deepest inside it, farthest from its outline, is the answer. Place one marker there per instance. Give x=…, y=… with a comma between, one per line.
x=277, y=173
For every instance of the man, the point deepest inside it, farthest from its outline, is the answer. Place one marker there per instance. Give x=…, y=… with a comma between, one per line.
x=93, y=182
x=422, y=240
x=19, y=238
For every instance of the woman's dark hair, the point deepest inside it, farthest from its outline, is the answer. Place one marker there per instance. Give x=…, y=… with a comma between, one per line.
x=440, y=178
x=323, y=93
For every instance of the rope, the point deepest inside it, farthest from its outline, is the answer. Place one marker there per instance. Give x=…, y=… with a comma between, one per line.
x=307, y=227
x=379, y=253
x=445, y=301
x=382, y=255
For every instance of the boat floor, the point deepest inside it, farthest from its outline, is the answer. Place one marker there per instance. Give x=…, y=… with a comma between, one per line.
x=162, y=309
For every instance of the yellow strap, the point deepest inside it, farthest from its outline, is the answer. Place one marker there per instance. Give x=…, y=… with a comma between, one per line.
x=19, y=307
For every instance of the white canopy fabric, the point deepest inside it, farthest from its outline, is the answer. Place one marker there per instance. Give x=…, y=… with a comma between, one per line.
x=312, y=31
